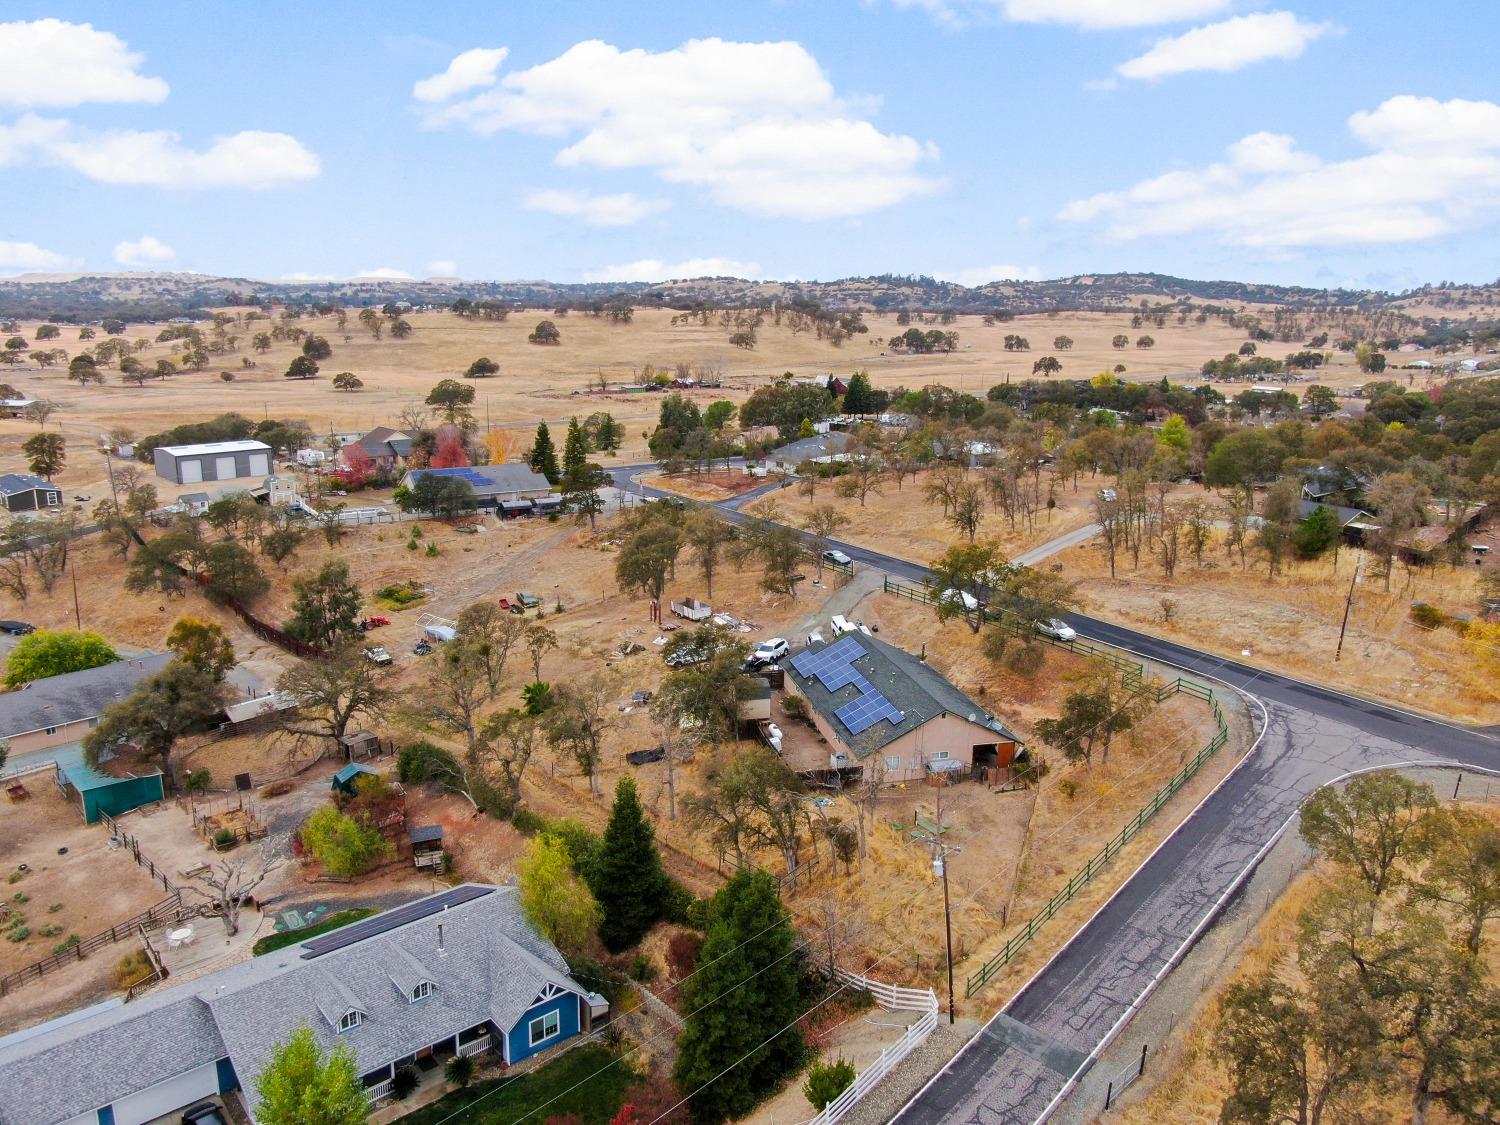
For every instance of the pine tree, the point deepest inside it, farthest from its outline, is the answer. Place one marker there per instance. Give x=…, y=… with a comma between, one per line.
x=544, y=455
x=610, y=433
x=743, y=1004
x=575, y=449
x=859, y=398
x=627, y=876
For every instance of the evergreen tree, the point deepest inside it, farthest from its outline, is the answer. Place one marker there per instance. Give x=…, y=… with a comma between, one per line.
x=1316, y=533
x=327, y=605
x=627, y=876
x=743, y=1002
x=544, y=456
x=575, y=449
x=859, y=398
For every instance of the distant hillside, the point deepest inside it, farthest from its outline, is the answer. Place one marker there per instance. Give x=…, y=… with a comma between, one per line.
x=160, y=296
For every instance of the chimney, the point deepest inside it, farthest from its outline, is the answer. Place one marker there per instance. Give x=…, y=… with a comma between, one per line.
x=441, y=951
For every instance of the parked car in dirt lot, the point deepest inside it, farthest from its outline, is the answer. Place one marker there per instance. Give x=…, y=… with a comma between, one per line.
x=17, y=628
x=378, y=655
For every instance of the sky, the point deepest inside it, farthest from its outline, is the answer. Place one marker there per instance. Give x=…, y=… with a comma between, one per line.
x=1313, y=142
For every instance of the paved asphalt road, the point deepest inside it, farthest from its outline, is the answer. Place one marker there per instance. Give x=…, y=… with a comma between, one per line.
x=1023, y=1058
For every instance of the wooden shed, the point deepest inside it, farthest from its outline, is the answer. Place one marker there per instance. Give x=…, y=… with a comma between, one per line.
x=427, y=846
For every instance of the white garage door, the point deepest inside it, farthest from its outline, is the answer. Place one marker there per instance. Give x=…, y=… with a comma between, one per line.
x=260, y=464
x=192, y=470
x=224, y=468
x=165, y=1097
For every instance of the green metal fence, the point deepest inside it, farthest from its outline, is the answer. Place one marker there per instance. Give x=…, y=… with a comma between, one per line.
x=1133, y=674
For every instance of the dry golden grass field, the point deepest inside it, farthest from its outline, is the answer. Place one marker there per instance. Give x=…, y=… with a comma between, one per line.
x=550, y=383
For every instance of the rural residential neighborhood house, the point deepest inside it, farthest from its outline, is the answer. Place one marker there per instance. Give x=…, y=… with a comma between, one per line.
x=217, y=460
x=820, y=449
x=21, y=493
x=493, y=484
x=457, y=972
x=61, y=709
x=387, y=448
x=876, y=704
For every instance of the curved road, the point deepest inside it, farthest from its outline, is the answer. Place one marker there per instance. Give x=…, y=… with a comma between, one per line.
x=1020, y=1063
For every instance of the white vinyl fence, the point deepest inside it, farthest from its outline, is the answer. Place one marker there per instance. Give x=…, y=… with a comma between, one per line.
x=893, y=999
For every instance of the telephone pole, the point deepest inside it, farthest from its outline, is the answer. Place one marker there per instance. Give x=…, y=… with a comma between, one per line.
x=940, y=853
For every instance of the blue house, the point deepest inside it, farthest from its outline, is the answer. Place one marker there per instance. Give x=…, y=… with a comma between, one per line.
x=456, y=973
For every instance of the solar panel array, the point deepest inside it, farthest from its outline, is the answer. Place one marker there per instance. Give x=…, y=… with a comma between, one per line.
x=834, y=668
x=393, y=919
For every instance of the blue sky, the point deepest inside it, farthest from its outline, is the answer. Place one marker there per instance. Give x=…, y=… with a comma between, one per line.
x=1313, y=142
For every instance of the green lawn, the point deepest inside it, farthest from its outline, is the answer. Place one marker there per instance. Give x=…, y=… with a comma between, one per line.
x=586, y=1081
x=273, y=942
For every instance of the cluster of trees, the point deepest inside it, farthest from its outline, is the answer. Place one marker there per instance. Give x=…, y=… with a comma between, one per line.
x=917, y=342
x=55, y=652
x=685, y=434
x=1389, y=992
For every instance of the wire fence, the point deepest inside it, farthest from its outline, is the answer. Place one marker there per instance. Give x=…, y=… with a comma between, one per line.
x=1133, y=675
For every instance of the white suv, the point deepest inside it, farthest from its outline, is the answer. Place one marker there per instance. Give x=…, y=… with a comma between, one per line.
x=768, y=652
x=1057, y=630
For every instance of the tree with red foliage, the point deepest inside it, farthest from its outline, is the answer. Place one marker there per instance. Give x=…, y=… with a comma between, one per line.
x=450, y=453
x=357, y=468
x=654, y=1100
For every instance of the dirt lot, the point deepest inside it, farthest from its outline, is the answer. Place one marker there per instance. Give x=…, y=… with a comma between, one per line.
x=546, y=383
x=1291, y=623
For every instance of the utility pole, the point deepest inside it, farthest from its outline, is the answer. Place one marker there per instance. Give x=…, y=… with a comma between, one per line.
x=1348, y=605
x=940, y=853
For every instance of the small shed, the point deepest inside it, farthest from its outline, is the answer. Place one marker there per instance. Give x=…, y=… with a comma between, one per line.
x=347, y=778
x=427, y=846
x=359, y=744
x=98, y=792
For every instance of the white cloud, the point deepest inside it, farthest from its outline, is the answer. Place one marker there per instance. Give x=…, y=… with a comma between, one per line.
x=442, y=267
x=30, y=256
x=758, y=126
x=597, y=210
x=1095, y=15
x=249, y=159
x=1226, y=46
x=143, y=253
x=382, y=273
x=51, y=62
x=307, y=277
x=653, y=269
x=468, y=71
x=983, y=275
x=1434, y=168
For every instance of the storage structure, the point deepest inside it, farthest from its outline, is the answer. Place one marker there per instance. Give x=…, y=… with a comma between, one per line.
x=218, y=460
x=22, y=493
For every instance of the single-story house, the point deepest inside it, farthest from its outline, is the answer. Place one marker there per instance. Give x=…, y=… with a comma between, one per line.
x=459, y=972
x=493, y=484
x=820, y=448
x=214, y=460
x=62, y=709
x=16, y=407
x=1353, y=523
x=386, y=447
x=881, y=707
x=97, y=791
x=22, y=493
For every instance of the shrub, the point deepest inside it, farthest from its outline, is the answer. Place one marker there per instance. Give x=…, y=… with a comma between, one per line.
x=682, y=953
x=826, y=1081
x=795, y=706
x=344, y=845
x=684, y=907
x=1427, y=617
x=132, y=969
x=51, y=929
x=54, y=908
x=421, y=760
x=20, y=896
x=642, y=968
x=197, y=781
x=404, y=1082
x=529, y=822
x=19, y=934
x=432, y=550
x=1067, y=787
x=459, y=1070
x=581, y=842
x=63, y=946
x=277, y=789
x=224, y=838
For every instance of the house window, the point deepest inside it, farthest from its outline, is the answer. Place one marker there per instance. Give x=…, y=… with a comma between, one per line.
x=422, y=991
x=893, y=762
x=544, y=1028
x=350, y=1019
x=51, y=730
x=941, y=754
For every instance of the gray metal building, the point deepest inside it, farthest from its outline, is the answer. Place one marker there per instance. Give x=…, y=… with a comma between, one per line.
x=218, y=460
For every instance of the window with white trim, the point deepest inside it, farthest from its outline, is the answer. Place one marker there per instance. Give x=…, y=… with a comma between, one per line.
x=893, y=762
x=422, y=991
x=350, y=1019
x=941, y=754
x=544, y=1027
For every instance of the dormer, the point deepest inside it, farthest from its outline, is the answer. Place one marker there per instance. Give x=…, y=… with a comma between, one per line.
x=421, y=991
x=350, y=1020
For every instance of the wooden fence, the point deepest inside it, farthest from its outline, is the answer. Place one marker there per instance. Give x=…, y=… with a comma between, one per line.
x=168, y=911
x=1133, y=675
x=893, y=999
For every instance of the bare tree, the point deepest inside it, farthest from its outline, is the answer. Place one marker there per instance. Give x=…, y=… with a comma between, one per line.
x=231, y=881
x=579, y=720
x=540, y=640
x=823, y=523
x=967, y=509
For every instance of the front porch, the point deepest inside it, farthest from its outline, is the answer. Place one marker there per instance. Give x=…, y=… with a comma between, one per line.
x=428, y=1065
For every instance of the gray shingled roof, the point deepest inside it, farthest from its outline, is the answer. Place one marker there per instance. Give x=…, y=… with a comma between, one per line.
x=490, y=480
x=913, y=686
x=74, y=696
x=491, y=967
x=823, y=445
x=1344, y=515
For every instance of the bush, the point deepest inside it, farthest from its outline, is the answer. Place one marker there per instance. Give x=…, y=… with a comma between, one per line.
x=132, y=969
x=277, y=789
x=459, y=1070
x=19, y=934
x=826, y=1081
x=581, y=841
x=684, y=907
x=1427, y=617
x=529, y=822
x=642, y=968
x=63, y=946
x=420, y=760
x=1067, y=787
x=197, y=781
x=343, y=844
x=682, y=953
x=401, y=595
x=404, y=1082
x=224, y=838
x=795, y=706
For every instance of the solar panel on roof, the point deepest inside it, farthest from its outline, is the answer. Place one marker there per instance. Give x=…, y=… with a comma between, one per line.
x=870, y=708
x=392, y=919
